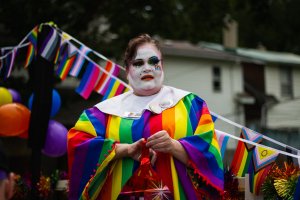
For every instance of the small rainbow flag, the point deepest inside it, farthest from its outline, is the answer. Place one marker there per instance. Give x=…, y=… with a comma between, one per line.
x=88, y=80
x=263, y=158
x=69, y=55
x=33, y=38
x=30, y=55
x=243, y=153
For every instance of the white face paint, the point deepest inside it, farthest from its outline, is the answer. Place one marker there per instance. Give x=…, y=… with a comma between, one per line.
x=146, y=79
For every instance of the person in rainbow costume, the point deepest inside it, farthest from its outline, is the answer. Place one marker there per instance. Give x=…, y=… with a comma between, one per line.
x=175, y=126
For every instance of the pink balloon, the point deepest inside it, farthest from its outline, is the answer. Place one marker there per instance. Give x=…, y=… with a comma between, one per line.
x=56, y=139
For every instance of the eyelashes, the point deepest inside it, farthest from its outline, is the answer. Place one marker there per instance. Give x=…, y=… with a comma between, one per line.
x=152, y=61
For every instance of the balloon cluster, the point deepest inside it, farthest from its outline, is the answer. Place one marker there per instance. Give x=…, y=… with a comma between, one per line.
x=14, y=121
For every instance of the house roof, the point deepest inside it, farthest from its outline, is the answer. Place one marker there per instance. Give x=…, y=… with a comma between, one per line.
x=257, y=55
x=284, y=115
x=186, y=49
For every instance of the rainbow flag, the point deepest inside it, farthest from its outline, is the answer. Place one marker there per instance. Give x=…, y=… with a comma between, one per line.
x=243, y=152
x=95, y=173
x=30, y=55
x=88, y=80
x=33, y=38
x=115, y=87
x=263, y=158
x=68, y=55
x=104, y=80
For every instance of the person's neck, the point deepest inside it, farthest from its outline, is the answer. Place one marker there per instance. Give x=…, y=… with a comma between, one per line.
x=146, y=93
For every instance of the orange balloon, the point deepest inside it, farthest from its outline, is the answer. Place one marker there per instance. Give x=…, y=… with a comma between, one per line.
x=14, y=119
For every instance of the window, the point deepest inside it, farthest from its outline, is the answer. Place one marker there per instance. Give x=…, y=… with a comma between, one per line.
x=216, y=75
x=286, y=82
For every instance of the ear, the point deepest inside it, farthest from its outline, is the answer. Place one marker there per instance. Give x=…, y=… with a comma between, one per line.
x=10, y=186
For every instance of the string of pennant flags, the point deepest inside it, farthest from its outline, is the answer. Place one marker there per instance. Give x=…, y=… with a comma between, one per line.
x=72, y=58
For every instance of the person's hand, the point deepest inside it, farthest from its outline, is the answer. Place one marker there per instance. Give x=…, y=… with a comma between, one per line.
x=161, y=142
x=134, y=151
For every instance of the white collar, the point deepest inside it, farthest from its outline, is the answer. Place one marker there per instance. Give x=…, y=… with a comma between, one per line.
x=129, y=105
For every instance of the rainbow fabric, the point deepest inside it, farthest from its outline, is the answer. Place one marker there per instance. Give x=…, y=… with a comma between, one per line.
x=33, y=38
x=222, y=140
x=243, y=152
x=95, y=174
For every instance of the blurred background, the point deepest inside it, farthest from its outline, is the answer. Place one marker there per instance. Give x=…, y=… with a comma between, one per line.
x=242, y=57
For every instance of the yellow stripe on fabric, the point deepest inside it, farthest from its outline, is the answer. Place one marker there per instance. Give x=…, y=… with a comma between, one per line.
x=85, y=126
x=242, y=166
x=114, y=89
x=181, y=117
x=203, y=126
x=117, y=180
x=113, y=130
x=175, y=180
x=104, y=164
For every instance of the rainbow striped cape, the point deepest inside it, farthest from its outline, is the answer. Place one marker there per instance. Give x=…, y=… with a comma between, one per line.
x=95, y=174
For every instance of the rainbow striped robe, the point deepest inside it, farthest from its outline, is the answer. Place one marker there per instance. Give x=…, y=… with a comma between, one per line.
x=94, y=174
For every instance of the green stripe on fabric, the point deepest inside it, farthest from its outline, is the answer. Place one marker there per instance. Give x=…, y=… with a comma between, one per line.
x=125, y=131
x=188, y=103
x=215, y=152
x=97, y=181
x=84, y=117
x=247, y=162
x=181, y=191
x=127, y=167
x=106, y=148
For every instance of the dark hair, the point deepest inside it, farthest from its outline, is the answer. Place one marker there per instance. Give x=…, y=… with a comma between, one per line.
x=134, y=43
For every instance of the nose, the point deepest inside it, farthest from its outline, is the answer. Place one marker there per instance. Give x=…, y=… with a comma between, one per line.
x=147, y=68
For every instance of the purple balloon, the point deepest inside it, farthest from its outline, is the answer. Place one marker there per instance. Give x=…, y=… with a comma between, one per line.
x=56, y=139
x=15, y=95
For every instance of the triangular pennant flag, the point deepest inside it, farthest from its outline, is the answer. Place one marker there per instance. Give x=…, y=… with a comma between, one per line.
x=89, y=80
x=263, y=157
x=78, y=63
x=252, y=136
x=222, y=140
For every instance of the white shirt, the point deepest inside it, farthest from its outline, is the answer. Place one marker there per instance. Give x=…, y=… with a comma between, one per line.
x=129, y=105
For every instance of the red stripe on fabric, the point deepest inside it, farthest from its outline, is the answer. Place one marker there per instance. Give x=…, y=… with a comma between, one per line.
x=74, y=139
x=155, y=124
x=106, y=190
x=236, y=161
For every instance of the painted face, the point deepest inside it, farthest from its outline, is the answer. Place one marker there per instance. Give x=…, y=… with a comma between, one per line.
x=145, y=74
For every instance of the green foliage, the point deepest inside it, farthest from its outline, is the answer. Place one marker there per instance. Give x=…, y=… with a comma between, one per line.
x=107, y=25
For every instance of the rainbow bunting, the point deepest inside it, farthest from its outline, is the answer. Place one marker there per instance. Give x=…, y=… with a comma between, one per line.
x=103, y=82
x=222, y=140
x=30, y=55
x=115, y=87
x=243, y=153
x=263, y=158
x=78, y=63
x=88, y=80
x=95, y=173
